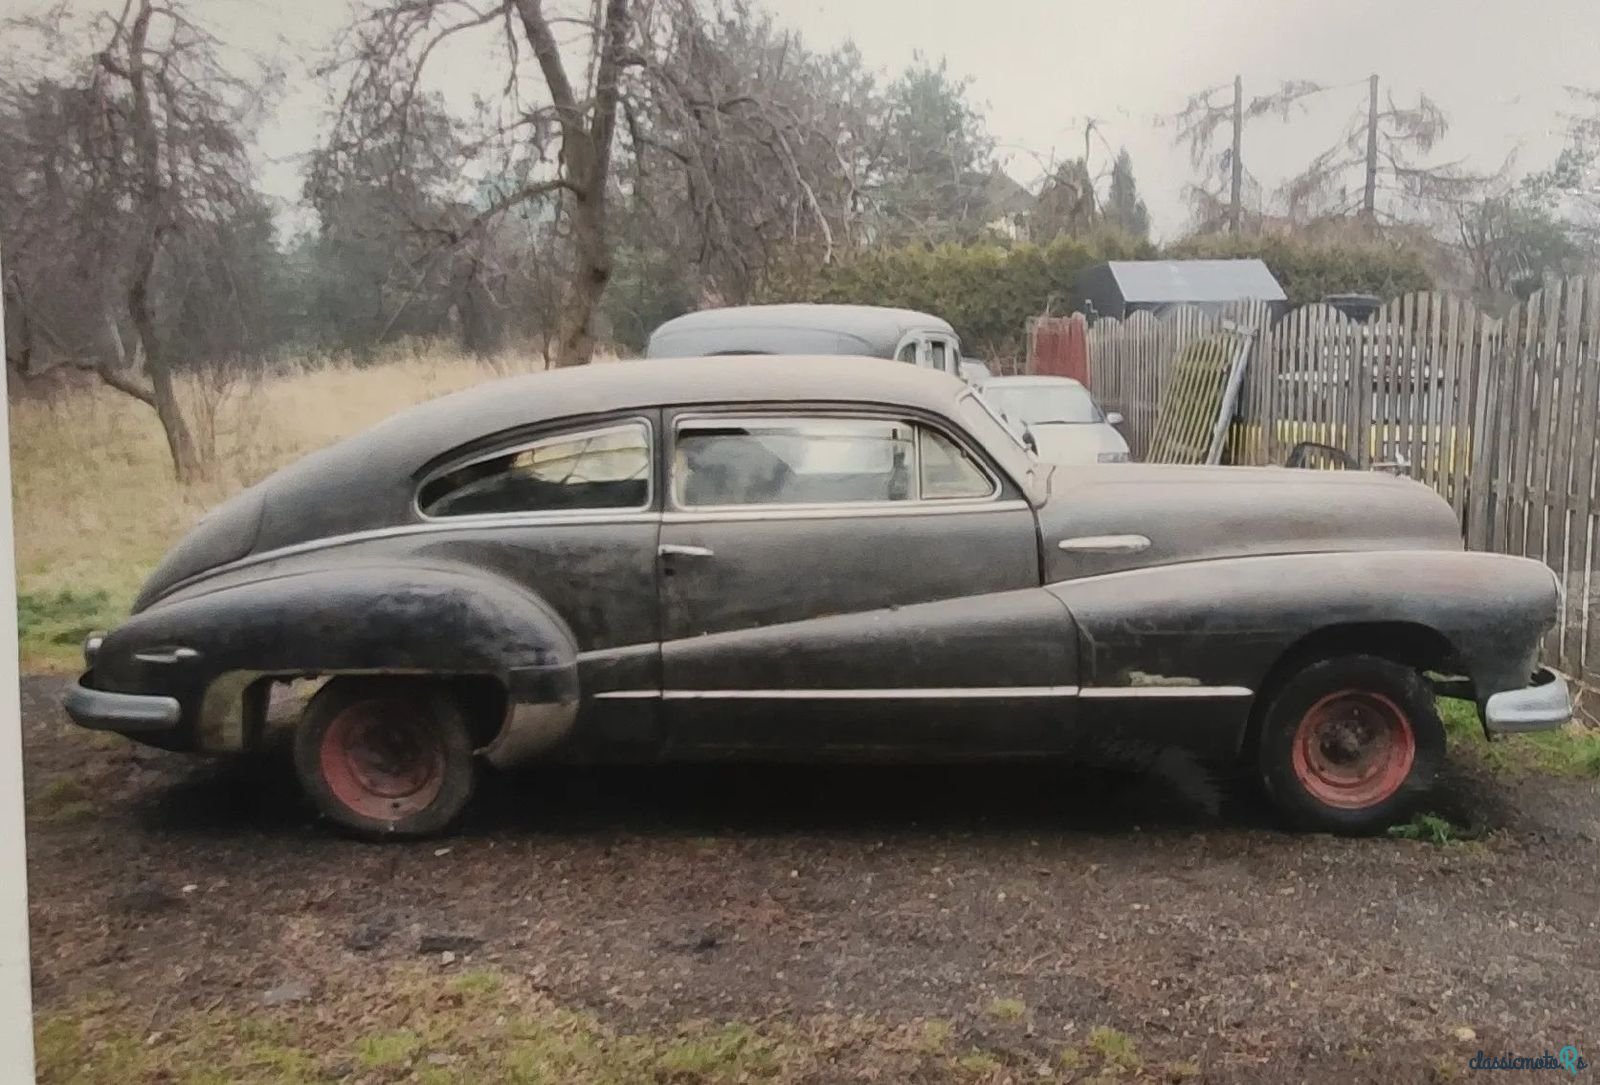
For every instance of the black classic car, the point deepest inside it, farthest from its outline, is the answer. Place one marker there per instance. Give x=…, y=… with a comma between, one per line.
x=782, y=558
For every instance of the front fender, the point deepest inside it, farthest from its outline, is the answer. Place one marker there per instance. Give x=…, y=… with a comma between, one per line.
x=206, y=648
x=1227, y=622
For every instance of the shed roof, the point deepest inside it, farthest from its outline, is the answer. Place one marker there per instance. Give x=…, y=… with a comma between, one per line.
x=1194, y=280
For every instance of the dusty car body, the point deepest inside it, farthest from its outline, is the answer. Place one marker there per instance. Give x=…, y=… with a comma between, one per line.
x=808, y=329
x=822, y=557
x=1059, y=416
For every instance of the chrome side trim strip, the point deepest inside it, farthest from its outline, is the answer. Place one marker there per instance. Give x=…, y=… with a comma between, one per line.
x=953, y=693
x=1120, y=692
x=725, y=514
x=1105, y=544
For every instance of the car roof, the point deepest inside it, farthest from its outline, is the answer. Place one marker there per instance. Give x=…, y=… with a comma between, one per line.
x=870, y=329
x=399, y=446
x=638, y=384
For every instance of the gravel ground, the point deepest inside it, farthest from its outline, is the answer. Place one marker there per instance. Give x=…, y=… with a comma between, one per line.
x=737, y=894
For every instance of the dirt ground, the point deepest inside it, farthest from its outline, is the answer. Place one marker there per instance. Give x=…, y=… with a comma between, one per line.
x=1019, y=909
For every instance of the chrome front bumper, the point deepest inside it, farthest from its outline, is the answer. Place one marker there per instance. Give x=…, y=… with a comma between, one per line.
x=127, y=713
x=1538, y=707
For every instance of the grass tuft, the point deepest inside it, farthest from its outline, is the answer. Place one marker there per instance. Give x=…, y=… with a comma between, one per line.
x=1432, y=829
x=384, y=1049
x=1116, y=1049
x=1571, y=751
x=1008, y=1009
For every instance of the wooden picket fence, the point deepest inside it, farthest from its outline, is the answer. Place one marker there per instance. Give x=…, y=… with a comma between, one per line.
x=1500, y=416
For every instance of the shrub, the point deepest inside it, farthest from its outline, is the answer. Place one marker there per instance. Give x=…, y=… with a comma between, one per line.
x=987, y=291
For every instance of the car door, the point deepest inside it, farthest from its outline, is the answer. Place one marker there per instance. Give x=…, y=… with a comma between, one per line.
x=573, y=513
x=846, y=580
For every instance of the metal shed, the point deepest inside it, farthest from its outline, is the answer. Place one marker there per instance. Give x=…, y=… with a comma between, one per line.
x=1121, y=287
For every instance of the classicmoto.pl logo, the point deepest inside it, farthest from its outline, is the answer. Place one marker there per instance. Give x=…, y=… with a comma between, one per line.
x=1566, y=1059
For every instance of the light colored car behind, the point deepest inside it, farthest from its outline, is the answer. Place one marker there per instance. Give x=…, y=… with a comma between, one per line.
x=1066, y=424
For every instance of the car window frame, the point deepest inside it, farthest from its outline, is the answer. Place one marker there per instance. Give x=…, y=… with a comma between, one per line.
x=789, y=412
x=952, y=352
x=525, y=443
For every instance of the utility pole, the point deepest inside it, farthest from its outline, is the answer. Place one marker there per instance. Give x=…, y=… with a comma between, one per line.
x=1236, y=194
x=1369, y=202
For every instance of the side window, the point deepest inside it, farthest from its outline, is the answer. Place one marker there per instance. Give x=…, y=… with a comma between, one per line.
x=908, y=352
x=794, y=461
x=948, y=471
x=936, y=354
x=819, y=461
x=605, y=468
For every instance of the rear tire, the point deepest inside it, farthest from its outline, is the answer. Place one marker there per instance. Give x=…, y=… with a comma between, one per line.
x=385, y=758
x=1351, y=744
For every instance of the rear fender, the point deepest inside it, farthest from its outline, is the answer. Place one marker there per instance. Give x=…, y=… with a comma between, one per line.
x=211, y=649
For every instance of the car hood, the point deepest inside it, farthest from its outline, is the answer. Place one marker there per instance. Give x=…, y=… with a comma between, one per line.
x=1077, y=443
x=1105, y=511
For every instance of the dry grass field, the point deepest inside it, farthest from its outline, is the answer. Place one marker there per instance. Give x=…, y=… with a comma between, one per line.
x=96, y=500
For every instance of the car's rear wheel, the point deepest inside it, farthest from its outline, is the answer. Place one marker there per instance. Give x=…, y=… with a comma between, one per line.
x=385, y=757
x=1350, y=744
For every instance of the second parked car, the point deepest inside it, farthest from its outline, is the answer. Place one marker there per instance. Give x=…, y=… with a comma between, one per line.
x=1059, y=417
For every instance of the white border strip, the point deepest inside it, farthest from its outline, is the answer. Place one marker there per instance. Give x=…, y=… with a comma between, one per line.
x=16, y=995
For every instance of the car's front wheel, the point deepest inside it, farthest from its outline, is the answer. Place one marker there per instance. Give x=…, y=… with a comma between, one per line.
x=1350, y=744
x=385, y=757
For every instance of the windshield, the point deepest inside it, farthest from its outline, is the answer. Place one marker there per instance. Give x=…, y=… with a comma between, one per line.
x=1044, y=404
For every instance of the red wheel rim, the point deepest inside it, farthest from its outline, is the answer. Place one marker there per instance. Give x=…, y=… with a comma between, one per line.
x=383, y=759
x=1353, y=749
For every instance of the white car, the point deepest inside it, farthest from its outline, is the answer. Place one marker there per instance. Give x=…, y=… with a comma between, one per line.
x=1058, y=417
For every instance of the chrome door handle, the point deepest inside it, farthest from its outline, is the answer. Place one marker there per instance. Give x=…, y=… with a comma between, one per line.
x=1105, y=544
x=676, y=550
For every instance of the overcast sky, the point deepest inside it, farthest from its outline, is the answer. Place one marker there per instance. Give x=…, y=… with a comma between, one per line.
x=1042, y=67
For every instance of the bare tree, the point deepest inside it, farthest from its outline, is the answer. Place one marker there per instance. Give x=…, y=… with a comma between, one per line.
x=745, y=147
x=126, y=141
x=1383, y=142
x=1210, y=112
x=558, y=143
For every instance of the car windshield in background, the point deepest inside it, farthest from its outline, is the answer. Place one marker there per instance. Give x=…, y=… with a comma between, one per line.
x=1042, y=404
